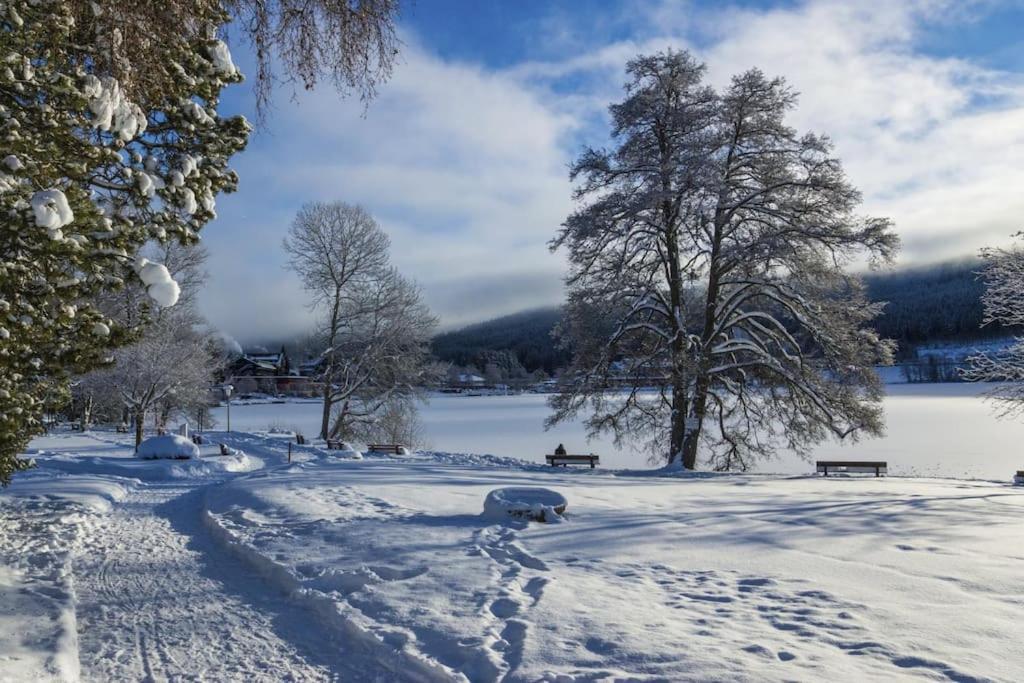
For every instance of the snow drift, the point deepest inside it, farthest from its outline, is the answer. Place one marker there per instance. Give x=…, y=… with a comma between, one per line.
x=167, y=446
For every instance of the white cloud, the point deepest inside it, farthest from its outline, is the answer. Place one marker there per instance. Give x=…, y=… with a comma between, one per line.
x=467, y=167
x=936, y=143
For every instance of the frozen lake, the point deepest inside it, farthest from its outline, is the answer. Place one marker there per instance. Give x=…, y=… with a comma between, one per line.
x=933, y=430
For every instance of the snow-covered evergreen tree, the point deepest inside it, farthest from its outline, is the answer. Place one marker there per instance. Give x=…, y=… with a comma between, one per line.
x=707, y=262
x=1003, y=302
x=88, y=176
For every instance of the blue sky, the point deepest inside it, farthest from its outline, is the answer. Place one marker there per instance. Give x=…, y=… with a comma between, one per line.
x=463, y=156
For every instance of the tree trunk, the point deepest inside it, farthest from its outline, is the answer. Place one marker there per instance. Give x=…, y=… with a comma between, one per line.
x=325, y=423
x=702, y=380
x=340, y=422
x=677, y=437
x=138, y=418
x=86, y=413
x=332, y=339
x=677, y=433
x=692, y=437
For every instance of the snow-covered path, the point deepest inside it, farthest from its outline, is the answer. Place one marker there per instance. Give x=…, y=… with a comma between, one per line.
x=158, y=600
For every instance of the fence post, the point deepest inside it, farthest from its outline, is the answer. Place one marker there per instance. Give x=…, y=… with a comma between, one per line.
x=289, y=451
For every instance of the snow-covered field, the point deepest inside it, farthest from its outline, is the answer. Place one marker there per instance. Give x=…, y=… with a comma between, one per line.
x=247, y=567
x=942, y=430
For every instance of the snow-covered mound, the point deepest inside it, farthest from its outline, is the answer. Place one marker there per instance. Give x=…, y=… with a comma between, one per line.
x=542, y=505
x=167, y=446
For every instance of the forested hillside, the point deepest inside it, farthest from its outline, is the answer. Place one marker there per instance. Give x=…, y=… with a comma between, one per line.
x=928, y=304
x=527, y=334
x=931, y=304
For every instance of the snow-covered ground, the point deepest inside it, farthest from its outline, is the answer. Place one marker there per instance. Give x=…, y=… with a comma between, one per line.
x=247, y=567
x=943, y=430
x=702, y=578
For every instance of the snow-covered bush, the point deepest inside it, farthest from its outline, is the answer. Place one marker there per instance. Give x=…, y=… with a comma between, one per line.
x=524, y=503
x=167, y=446
x=91, y=172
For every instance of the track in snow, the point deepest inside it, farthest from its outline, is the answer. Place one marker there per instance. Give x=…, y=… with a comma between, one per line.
x=159, y=600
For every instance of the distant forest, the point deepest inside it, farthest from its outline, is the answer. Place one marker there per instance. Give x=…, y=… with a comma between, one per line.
x=939, y=303
x=931, y=304
x=526, y=334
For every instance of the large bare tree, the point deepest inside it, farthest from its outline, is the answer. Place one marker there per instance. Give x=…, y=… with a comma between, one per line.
x=1003, y=302
x=707, y=262
x=374, y=330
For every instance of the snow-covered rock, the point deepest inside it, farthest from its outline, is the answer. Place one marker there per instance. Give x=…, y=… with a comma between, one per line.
x=539, y=504
x=170, y=446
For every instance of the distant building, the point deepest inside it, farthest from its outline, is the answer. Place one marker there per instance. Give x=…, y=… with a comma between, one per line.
x=260, y=371
x=311, y=368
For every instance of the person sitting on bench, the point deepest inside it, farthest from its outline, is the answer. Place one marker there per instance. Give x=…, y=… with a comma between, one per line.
x=560, y=450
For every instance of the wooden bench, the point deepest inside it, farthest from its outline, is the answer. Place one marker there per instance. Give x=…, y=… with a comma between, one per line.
x=300, y=439
x=566, y=460
x=197, y=439
x=879, y=467
x=121, y=429
x=395, y=448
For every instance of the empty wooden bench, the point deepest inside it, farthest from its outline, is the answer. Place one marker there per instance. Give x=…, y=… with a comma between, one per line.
x=334, y=444
x=879, y=467
x=395, y=448
x=566, y=460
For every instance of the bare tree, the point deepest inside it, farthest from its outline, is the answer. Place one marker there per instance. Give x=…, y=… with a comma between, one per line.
x=374, y=329
x=1003, y=302
x=397, y=422
x=171, y=365
x=707, y=263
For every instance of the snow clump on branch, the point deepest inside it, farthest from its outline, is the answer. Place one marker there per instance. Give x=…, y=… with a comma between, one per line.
x=114, y=112
x=221, y=58
x=160, y=286
x=52, y=211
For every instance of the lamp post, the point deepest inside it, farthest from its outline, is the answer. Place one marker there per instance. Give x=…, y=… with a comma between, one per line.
x=227, y=389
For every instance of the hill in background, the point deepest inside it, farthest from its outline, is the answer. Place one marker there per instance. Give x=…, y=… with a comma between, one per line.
x=926, y=305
